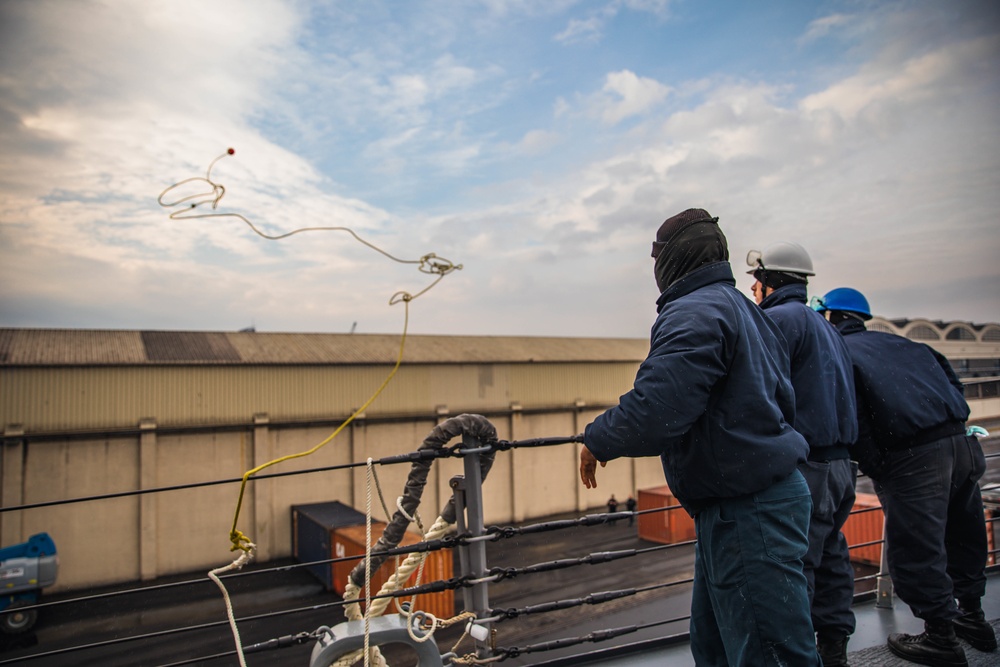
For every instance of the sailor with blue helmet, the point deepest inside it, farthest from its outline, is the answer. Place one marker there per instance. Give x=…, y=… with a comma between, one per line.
x=925, y=468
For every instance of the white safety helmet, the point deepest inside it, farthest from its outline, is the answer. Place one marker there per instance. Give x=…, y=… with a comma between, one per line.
x=785, y=257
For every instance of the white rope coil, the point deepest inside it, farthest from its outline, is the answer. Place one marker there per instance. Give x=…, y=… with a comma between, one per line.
x=377, y=607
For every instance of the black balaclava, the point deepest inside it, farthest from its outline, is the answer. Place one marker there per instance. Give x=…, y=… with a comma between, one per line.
x=778, y=279
x=838, y=316
x=685, y=242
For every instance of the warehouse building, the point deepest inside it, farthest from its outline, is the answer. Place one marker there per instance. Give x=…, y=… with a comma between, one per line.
x=94, y=413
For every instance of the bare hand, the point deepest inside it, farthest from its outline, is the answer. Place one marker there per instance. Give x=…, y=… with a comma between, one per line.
x=588, y=468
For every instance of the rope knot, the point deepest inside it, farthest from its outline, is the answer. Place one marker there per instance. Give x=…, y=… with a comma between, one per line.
x=240, y=541
x=431, y=263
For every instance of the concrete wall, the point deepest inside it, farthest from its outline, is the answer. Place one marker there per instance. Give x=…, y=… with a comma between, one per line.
x=148, y=536
x=984, y=409
x=52, y=451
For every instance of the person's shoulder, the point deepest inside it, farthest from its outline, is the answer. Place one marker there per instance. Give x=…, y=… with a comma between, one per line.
x=714, y=297
x=708, y=309
x=879, y=343
x=789, y=312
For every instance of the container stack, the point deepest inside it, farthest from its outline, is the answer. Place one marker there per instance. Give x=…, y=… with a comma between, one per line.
x=332, y=530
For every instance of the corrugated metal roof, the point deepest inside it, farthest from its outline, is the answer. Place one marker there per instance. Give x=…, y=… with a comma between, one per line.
x=188, y=346
x=44, y=347
x=88, y=347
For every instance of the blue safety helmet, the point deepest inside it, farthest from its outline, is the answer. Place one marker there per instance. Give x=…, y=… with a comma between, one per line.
x=843, y=298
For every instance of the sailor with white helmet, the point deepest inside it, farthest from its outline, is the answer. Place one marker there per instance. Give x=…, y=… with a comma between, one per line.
x=825, y=414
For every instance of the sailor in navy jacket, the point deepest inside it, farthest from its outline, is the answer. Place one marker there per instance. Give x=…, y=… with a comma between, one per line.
x=821, y=374
x=926, y=472
x=712, y=399
x=825, y=414
x=908, y=394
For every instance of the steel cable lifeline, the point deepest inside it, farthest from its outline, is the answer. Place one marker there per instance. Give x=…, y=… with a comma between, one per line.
x=429, y=263
x=502, y=653
x=502, y=445
x=494, y=534
x=432, y=449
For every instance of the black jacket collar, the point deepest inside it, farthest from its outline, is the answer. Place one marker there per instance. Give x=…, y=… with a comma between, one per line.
x=796, y=292
x=716, y=272
x=851, y=326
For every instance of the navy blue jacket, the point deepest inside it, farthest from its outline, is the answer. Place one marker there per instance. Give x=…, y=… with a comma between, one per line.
x=908, y=393
x=712, y=399
x=821, y=374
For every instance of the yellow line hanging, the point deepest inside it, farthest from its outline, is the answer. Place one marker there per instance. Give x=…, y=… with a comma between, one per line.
x=241, y=541
x=429, y=263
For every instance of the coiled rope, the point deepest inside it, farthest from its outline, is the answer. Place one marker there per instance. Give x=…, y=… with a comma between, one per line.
x=360, y=577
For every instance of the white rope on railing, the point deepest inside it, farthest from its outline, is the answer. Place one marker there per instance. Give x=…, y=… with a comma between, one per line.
x=244, y=558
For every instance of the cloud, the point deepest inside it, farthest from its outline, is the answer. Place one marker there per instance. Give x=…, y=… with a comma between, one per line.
x=907, y=82
x=825, y=25
x=626, y=94
x=881, y=174
x=106, y=117
x=538, y=141
x=546, y=182
x=591, y=28
x=581, y=30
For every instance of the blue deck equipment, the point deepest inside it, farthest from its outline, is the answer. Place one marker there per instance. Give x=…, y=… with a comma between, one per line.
x=25, y=569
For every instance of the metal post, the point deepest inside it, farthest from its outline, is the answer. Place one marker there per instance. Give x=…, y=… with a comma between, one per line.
x=474, y=519
x=884, y=589
x=457, y=484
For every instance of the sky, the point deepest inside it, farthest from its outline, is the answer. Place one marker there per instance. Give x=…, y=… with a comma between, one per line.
x=537, y=145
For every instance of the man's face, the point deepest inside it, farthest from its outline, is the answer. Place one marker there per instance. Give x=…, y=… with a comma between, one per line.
x=758, y=291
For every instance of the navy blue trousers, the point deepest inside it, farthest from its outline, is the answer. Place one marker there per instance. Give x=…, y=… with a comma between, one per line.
x=827, y=563
x=750, y=602
x=934, y=527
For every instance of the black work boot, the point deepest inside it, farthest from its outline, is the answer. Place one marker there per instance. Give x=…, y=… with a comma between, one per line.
x=937, y=646
x=832, y=649
x=973, y=628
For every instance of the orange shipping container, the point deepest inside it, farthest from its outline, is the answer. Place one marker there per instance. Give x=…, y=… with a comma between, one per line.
x=668, y=526
x=865, y=526
x=312, y=534
x=991, y=515
x=350, y=541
